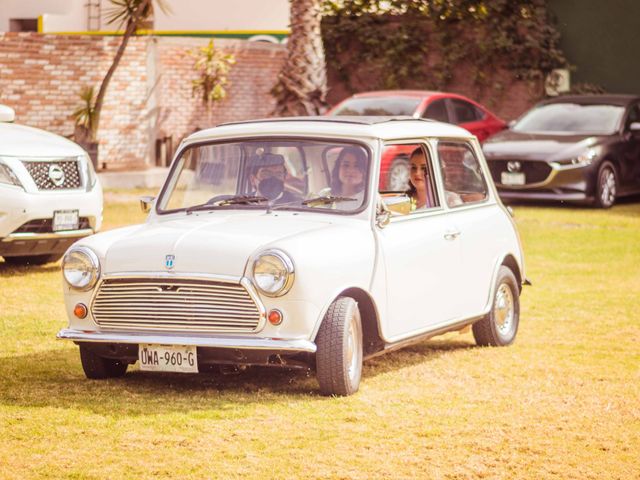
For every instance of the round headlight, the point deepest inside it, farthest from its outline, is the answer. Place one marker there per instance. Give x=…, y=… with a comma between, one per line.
x=273, y=273
x=81, y=268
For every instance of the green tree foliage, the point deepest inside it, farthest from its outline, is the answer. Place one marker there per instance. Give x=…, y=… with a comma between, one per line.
x=412, y=42
x=213, y=67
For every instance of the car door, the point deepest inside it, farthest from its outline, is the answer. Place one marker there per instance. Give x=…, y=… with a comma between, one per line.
x=470, y=117
x=477, y=220
x=631, y=152
x=421, y=263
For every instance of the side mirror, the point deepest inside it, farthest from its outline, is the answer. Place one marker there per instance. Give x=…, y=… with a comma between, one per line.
x=146, y=203
x=7, y=114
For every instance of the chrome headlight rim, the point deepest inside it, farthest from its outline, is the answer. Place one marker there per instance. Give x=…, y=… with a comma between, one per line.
x=289, y=268
x=95, y=263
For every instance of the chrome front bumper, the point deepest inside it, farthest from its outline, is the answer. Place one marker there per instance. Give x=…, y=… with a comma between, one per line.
x=240, y=343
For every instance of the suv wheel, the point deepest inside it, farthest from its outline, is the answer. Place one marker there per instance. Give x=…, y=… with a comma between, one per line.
x=499, y=328
x=339, y=355
x=98, y=368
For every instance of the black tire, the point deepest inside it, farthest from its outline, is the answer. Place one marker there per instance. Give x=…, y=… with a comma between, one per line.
x=500, y=326
x=99, y=368
x=33, y=259
x=606, y=189
x=339, y=354
x=398, y=175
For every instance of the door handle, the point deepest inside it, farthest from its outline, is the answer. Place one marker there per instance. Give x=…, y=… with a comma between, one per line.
x=451, y=234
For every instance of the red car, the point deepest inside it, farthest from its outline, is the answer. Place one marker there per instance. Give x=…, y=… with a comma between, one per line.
x=441, y=106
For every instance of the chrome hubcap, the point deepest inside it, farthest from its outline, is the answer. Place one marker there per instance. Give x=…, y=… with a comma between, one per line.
x=608, y=183
x=504, y=309
x=399, y=177
x=353, y=350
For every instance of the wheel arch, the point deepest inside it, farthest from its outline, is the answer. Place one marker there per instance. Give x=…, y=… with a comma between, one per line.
x=371, y=339
x=511, y=262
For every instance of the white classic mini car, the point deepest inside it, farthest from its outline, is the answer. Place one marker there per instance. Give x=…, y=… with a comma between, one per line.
x=270, y=244
x=50, y=195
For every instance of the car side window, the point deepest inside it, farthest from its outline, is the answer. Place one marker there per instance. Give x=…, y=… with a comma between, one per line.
x=437, y=110
x=464, y=181
x=465, y=112
x=419, y=193
x=634, y=116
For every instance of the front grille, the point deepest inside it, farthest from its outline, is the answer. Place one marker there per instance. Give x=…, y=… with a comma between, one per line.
x=44, y=225
x=174, y=304
x=535, y=172
x=46, y=179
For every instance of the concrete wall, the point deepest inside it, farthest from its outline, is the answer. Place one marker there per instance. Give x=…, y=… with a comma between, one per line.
x=149, y=96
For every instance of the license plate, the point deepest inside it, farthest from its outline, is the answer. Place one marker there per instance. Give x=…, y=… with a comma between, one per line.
x=168, y=358
x=512, y=178
x=65, y=220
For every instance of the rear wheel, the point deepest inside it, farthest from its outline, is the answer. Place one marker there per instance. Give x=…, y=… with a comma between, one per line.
x=339, y=355
x=98, y=368
x=606, y=186
x=33, y=259
x=398, y=175
x=499, y=328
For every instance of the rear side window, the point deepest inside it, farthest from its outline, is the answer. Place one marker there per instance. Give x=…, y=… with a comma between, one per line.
x=437, y=111
x=464, y=181
x=466, y=112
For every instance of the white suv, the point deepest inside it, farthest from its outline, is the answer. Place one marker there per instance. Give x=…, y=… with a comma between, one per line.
x=50, y=195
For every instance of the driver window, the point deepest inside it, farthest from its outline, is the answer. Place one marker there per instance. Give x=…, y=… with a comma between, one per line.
x=407, y=184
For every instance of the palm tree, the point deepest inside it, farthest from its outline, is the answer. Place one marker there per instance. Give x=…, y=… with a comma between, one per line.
x=302, y=83
x=132, y=15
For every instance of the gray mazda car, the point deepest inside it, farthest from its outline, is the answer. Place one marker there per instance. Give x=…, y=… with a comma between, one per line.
x=571, y=149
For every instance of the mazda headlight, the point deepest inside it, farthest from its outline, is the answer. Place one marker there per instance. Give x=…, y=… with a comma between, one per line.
x=7, y=176
x=583, y=160
x=273, y=273
x=81, y=268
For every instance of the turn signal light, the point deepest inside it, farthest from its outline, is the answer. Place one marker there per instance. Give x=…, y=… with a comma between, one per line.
x=80, y=310
x=275, y=317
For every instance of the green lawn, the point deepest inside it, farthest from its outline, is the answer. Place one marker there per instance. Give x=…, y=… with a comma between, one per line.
x=562, y=402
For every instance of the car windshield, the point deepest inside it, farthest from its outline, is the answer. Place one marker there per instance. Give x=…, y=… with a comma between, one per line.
x=568, y=118
x=378, y=106
x=269, y=174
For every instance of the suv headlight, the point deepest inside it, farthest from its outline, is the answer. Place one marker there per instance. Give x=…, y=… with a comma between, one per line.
x=81, y=268
x=273, y=273
x=90, y=171
x=7, y=176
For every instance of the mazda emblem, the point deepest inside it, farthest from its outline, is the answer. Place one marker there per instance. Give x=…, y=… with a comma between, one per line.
x=56, y=175
x=514, y=166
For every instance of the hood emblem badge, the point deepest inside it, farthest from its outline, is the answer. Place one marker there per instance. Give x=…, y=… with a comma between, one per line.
x=169, y=261
x=56, y=175
x=514, y=166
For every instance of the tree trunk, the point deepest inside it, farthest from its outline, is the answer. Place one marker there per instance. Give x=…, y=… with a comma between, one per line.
x=132, y=26
x=302, y=84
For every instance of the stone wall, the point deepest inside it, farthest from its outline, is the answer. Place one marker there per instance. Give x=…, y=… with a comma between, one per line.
x=149, y=96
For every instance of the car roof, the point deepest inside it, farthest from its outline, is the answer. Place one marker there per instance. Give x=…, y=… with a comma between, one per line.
x=604, y=99
x=399, y=93
x=385, y=128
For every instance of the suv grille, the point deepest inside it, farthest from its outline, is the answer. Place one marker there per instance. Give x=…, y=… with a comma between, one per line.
x=535, y=172
x=174, y=304
x=44, y=225
x=66, y=176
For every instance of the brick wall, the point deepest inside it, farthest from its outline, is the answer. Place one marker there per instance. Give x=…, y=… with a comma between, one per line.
x=148, y=97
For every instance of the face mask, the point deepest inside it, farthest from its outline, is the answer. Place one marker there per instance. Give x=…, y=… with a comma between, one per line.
x=271, y=187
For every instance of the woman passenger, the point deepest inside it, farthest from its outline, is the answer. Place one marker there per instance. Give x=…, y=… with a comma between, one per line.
x=349, y=174
x=418, y=180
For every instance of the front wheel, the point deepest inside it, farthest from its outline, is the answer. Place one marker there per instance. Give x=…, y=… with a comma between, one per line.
x=99, y=368
x=606, y=186
x=339, y=355
x=499, y=328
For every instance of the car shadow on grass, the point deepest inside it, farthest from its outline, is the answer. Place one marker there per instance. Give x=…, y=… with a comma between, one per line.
x=54, y=378
x=9, y=270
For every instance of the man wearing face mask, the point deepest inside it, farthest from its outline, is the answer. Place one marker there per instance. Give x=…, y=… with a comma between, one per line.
x=268, y=173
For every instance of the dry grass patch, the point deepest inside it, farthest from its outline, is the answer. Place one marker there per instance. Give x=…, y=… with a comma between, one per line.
x=562, y=402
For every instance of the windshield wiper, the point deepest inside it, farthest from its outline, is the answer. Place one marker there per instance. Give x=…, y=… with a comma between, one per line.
x=324, y=200
x=222, y=200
